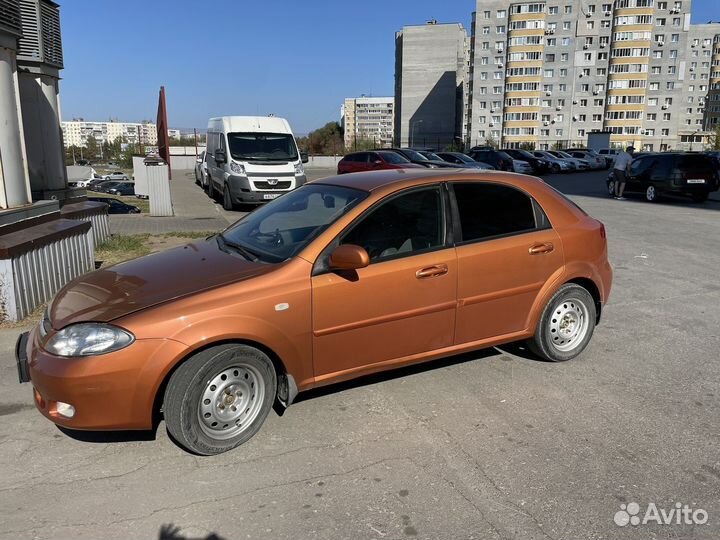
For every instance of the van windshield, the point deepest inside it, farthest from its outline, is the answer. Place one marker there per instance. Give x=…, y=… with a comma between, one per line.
x=262, y=146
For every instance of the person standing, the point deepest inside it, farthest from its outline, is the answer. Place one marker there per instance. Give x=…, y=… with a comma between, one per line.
x=620, y=170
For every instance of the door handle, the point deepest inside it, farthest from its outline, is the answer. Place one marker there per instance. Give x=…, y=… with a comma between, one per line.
x=537, y=249
x=432, y=271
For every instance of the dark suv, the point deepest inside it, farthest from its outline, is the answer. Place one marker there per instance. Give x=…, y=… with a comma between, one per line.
x=539, y=166
x=677, y=173
x=497, y=158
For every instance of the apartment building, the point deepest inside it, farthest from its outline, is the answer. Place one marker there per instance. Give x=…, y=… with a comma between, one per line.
x=430, y=85
x=547, y=73
x=76, y=132
x=368, y=119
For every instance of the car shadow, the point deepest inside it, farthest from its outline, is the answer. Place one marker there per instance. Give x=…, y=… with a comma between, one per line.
x=517, y=349
x=109, y=436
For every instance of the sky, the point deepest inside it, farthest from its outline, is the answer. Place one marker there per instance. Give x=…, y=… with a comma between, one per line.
x=295, y=59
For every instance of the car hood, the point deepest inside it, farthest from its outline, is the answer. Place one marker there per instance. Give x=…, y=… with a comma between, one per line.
x=116, y=291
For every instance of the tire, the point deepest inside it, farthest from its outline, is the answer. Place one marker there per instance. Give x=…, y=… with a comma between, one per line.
x=611, y=187
x=555, y=168
x=205, y=397
x=227, y=199
x=651, y=193
x=700, y=197
x=566, y=325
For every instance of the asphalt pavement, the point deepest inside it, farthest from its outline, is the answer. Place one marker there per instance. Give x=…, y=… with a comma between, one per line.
x=494, y=444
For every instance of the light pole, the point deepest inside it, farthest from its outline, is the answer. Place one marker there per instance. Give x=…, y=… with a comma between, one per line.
x=412, y=132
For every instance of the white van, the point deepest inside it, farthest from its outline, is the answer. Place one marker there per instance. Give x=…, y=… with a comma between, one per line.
x=252, y=159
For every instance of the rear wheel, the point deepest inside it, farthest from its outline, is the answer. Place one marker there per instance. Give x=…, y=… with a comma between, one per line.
x=651, y=193
x=219, y=398
x=555, y=168
x=566, y=325
x=700, y=197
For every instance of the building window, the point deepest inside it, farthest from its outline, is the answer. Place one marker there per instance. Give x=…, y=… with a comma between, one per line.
x=483, y=76
x=676, y=21
x=548, y=73
x=651, y=117
x=671, y=70
x=654, y=86
x=673, y=53
x=486, y=14
x=606, y=8
x=674, y=38
x=666, y=116
x=659, y=22
x=568, y=10
x=665, y=132
x=500, y=29
x=485, y=45
x=565, y=41
x=590, y=25
x=656, y=70
x=564, y=57
x=562, y=87
x=563, y=72
x=549, y=57
x=653, y=101
x=551, y=42
x=501, y=13
x=553, y=10
x=558, y=132
x=486, y=30
x=484, y=61
x=580, y=132
x=588, y=56
x=670, y=85
x=566, y=25
x=605, y=24
x=657, y=54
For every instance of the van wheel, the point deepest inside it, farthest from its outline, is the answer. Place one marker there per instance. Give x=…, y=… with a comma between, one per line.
x=219, y=398
x=566, y=325
x=700, y=197
x=227, y=200
x=651, y=193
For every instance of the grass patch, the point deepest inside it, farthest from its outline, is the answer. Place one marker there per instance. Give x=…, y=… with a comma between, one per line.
x=122, y=248
x=192, y=234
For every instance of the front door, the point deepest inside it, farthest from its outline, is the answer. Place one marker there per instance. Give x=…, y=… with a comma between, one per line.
x=400, y=305
x=507, y=252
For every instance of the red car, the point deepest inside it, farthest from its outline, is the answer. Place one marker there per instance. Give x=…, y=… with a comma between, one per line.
x=374, y=161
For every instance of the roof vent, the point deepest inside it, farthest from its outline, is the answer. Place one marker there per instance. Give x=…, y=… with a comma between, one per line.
x=10, y=16
x=40, y=41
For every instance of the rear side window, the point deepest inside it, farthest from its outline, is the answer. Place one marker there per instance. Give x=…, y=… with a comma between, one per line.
x=490, y=210
x=694, y=164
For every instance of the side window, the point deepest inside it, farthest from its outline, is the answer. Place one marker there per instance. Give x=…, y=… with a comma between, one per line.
x=405, y=225
x=639, y=166
x=489, y=210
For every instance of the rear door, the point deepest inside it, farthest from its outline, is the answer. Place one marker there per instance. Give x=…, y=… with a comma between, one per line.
x=507, y=251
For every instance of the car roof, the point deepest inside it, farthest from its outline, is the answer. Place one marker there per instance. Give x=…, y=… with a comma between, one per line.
x=400, y=178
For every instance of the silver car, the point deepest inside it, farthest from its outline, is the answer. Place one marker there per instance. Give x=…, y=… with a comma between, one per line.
x=556, y=164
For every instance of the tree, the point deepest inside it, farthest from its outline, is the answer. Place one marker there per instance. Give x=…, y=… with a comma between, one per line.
x=91, y=148
x=529, y=146
x=325, y=141
x=362, y=143
x=714, y=139
x=491, y=142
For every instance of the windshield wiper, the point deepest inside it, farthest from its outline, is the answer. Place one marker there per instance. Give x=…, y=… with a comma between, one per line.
x=245, y=252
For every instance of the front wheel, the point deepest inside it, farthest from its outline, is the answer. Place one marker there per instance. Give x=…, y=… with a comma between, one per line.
x=566, y=325
x=219, y=398
x=227, y=199
x=651, y=193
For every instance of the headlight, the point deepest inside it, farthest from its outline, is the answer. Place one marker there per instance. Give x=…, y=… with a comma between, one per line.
x=237, y=168
x=299, y=170
x=88, y=339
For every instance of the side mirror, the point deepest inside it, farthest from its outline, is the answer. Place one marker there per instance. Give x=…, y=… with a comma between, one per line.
x=349, y=257
x=378, y=162
x=304, y=157
x=220, y=156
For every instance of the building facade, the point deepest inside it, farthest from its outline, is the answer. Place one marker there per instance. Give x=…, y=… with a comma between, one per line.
x=547, y=73
x=76, y=132
x=430, y=85
x=368, y=119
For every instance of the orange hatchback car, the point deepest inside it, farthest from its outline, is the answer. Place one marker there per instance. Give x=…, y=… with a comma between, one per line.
x=340, y=278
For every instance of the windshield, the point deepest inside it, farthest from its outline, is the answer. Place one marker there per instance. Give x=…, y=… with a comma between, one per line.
x=262, y=146
x=283, y=227
x=525, y=153
x=392, y=157
x=564, y=154
x=412, y=154
x=432, y=156
x=463, y=157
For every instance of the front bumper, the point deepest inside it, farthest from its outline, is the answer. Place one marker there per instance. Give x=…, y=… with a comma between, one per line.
x=114, y=391
x=242, y=190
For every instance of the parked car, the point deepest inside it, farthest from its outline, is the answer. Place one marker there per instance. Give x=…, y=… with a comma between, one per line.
x=117, y=175
x=92, y=184
x=594, y=162
x=580, y=164
x=556, y=164
x=602, y=158
x=609, y=154
x=343, y=277
x=539, y=165
x=201, y=170
x=116, y=206
x=418, y=159
x=434, y=157
x=123, y=188
x=105, y=186
x=677, y=173
x=523, y=167
x=373, y=161
x=497, y=158
x=458, y=158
